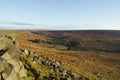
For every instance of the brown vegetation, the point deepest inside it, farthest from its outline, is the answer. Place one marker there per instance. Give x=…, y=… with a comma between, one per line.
x=96, y=61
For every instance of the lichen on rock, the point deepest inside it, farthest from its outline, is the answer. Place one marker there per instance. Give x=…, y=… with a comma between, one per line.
x=11, y=68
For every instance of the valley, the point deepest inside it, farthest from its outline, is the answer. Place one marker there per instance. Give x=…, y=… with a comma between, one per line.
x=93, y=55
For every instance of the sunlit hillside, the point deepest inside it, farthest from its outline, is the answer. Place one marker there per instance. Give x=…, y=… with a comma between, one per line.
x=96, y=57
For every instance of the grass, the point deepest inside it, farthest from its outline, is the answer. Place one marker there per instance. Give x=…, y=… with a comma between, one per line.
x=80, y=62
x=36, y=70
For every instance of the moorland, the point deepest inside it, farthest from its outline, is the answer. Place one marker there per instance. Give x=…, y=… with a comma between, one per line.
x=94, y=54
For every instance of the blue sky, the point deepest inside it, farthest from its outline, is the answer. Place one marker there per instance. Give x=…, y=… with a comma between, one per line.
x=60, y=14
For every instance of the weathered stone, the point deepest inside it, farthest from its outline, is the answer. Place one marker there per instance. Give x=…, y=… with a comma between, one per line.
x=21, y=50
x=51, y=78
x=10, y=66
x=63, y=79
x=61, y=69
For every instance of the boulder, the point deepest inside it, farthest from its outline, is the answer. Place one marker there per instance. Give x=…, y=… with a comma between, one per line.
x=11, y=68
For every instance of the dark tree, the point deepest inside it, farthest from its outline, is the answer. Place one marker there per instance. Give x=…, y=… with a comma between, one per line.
x=73, y=45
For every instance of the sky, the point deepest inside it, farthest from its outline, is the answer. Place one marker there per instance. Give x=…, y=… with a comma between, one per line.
x=60, y=14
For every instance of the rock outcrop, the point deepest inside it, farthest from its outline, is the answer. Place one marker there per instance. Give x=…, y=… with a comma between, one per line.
x=11, y=68
x=54, y=69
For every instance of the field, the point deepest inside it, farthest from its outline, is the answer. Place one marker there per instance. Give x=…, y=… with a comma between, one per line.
x=93, y=54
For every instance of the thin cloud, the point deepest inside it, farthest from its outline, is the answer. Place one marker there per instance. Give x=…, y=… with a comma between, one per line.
x=18, y=23
x=7, y=27
x=23, y=24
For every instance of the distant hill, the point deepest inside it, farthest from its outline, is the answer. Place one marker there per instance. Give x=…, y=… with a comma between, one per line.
x=98, y=40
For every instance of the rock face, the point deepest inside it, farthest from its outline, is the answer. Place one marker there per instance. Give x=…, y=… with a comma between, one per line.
x=11, y=68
